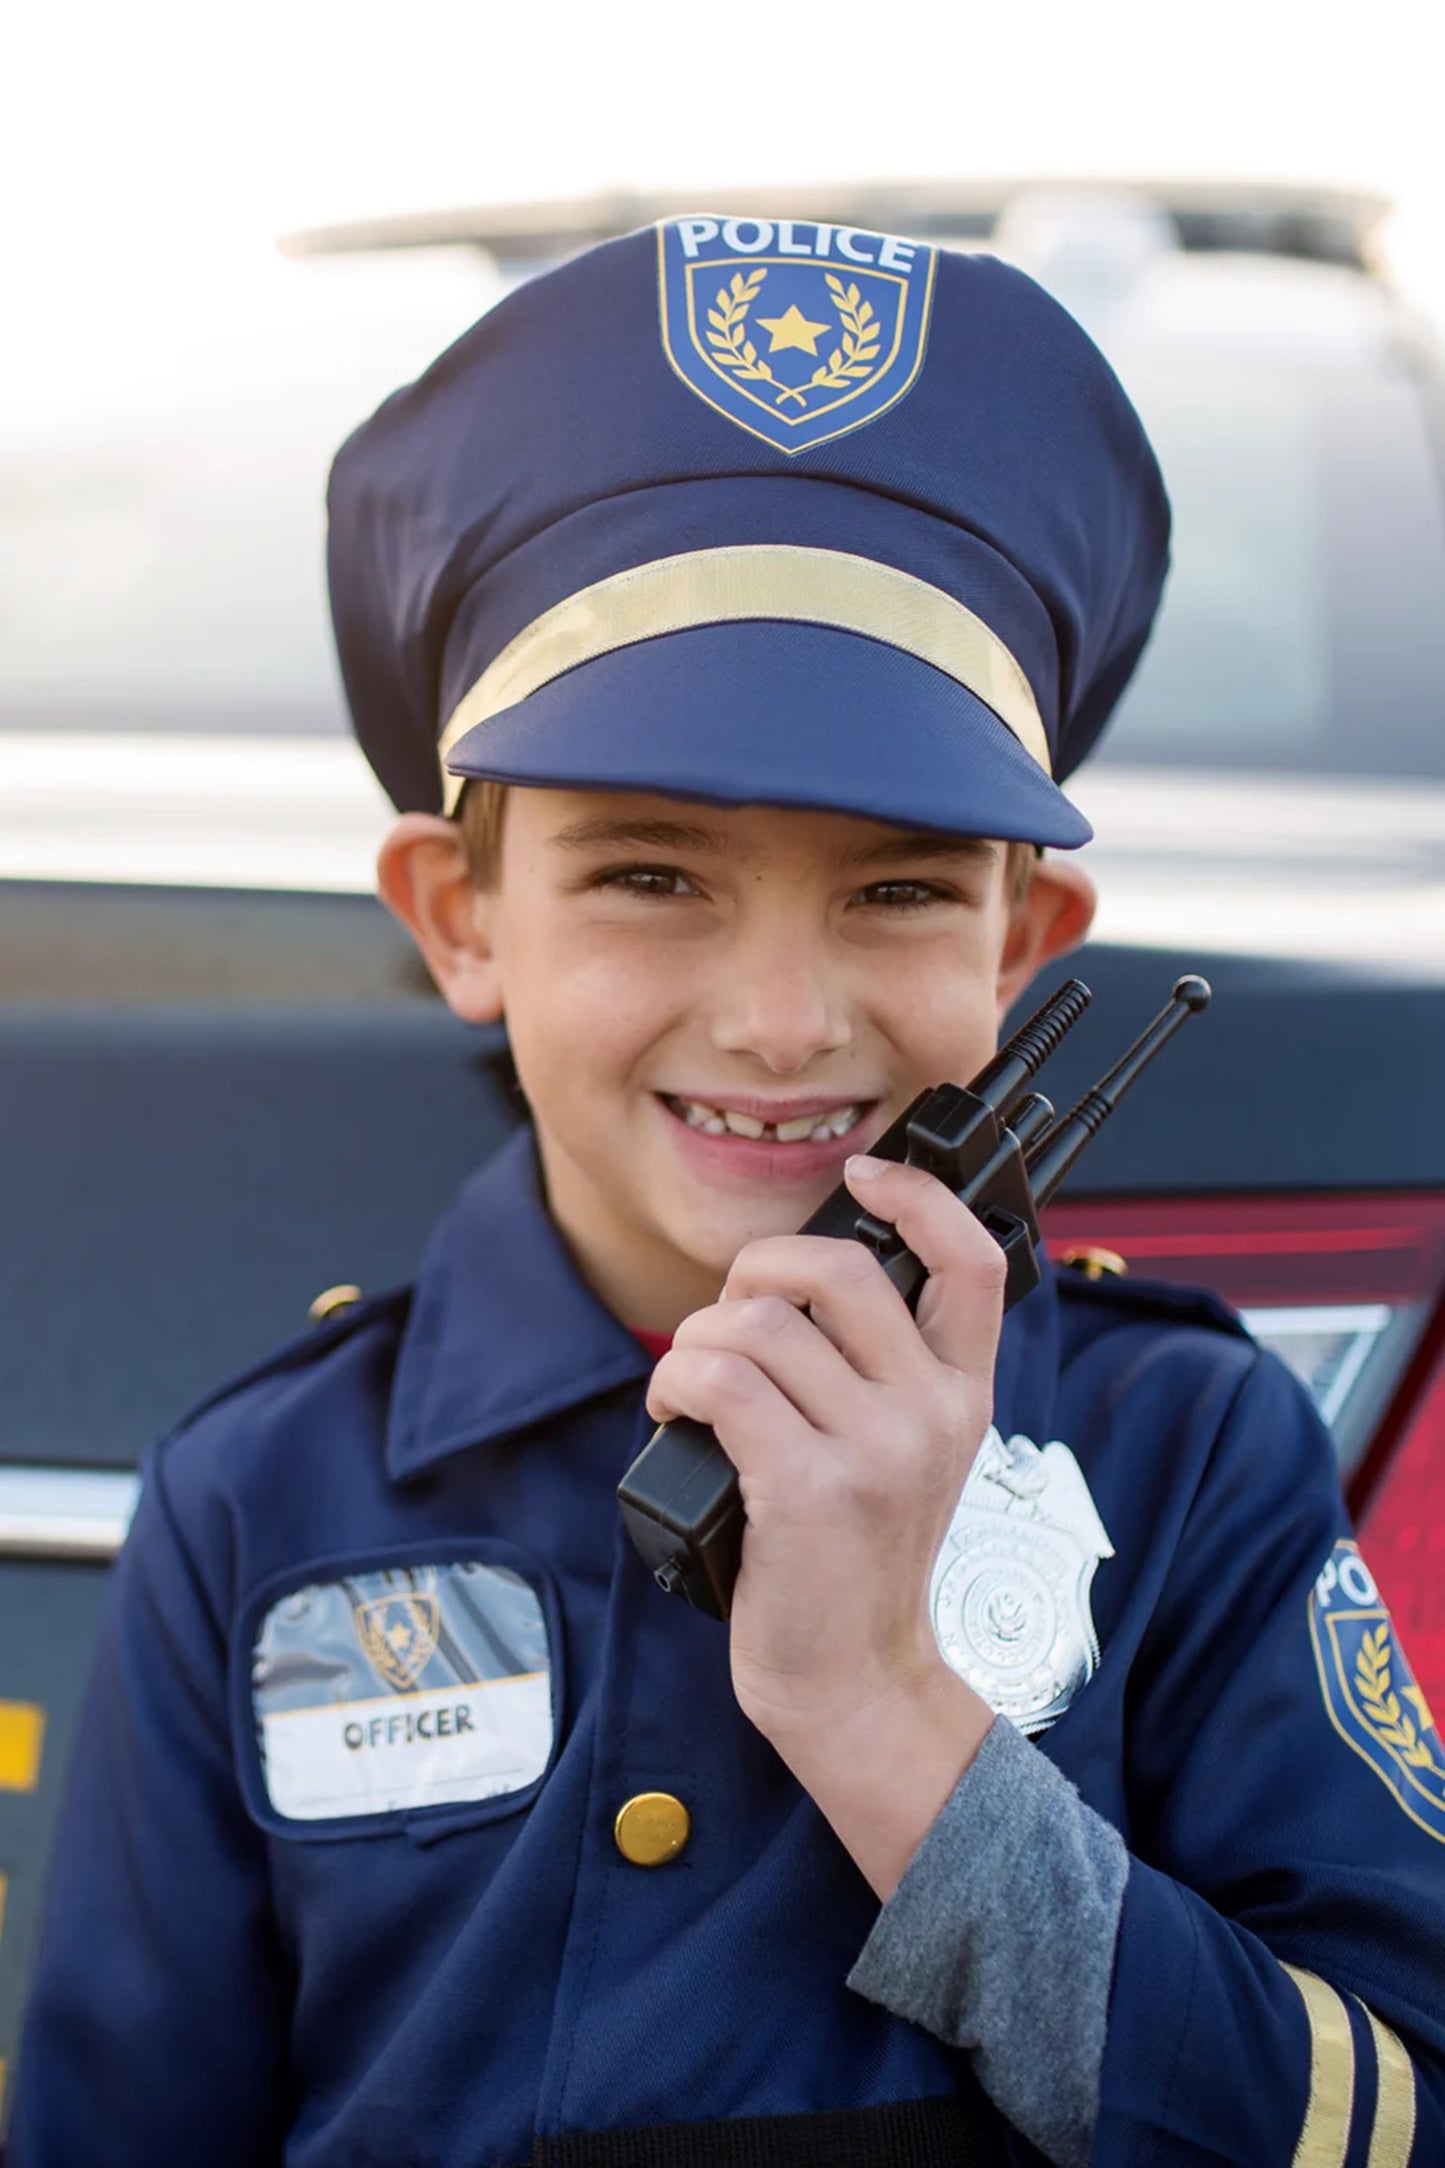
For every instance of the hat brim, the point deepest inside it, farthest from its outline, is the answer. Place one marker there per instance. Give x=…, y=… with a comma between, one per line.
x=763, y=712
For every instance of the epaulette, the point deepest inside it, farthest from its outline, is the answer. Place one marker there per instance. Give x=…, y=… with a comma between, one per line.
x=325, y=1332
x=1152, y=1298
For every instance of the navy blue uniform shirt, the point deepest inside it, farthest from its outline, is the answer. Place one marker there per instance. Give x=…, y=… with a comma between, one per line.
x=338, y=1883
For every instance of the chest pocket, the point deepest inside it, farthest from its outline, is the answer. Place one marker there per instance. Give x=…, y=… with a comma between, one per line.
x=389, y=1689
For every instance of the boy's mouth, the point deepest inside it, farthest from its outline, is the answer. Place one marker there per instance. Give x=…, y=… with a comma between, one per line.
x=820, y=1121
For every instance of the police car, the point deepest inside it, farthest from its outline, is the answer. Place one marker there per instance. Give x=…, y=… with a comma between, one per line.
x=229, y=1098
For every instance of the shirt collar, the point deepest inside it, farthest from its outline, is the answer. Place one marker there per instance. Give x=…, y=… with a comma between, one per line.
x=503, y=1331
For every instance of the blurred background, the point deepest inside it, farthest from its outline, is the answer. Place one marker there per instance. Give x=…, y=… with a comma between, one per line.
x=226, y=238
x=224, y=1086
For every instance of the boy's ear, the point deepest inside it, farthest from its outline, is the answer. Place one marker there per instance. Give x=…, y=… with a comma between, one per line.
x=1052, y=916
x=424, y=879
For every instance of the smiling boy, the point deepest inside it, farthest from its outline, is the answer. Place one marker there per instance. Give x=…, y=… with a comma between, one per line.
x=720, y=613
x=713, y=1007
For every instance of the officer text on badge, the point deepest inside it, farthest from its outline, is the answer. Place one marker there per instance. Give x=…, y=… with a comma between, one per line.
x=795, y=331
x=353, y=1758
x=412, y=1686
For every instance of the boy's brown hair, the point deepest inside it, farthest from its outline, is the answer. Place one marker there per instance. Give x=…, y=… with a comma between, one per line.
x=484, y=805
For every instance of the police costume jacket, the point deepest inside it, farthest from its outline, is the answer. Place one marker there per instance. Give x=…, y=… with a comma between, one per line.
x=340, y=1881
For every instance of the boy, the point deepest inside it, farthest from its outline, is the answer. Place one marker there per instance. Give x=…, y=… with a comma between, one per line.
x=758, y=579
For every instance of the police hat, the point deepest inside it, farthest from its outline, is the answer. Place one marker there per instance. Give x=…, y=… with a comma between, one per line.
x=741, y=510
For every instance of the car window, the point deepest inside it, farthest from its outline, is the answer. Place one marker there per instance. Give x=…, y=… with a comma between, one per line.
x=1304, y=622
x=162, y=563
x=173, y=579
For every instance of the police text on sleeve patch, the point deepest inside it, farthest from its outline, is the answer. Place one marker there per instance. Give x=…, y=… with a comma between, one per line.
x=416, y=1686
x=1369, y=1689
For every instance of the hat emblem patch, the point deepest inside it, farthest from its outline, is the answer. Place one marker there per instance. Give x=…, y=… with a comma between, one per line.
x=797, y=332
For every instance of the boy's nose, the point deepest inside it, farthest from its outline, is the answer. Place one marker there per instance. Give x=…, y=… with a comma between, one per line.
x=781, y=1003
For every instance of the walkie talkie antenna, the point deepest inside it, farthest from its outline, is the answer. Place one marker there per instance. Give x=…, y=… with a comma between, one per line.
x=1051, y=1158
x=1021, y=1057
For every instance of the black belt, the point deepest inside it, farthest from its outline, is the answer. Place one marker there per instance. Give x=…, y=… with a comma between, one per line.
x=938, y=2133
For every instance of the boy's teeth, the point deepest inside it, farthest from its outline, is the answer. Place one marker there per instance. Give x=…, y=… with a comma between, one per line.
x=816, y=1129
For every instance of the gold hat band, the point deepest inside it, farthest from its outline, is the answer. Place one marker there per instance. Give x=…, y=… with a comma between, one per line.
x=754, y=580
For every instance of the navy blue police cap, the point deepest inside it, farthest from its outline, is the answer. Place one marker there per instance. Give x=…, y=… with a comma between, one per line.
x=752, y=511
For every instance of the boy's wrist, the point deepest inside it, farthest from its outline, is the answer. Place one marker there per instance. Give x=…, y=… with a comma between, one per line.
x=882, y=1777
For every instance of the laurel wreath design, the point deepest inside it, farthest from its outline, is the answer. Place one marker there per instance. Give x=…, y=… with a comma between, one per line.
x=1381, y=1704
x=861, y=335
x=855, y=356
x=729, y=339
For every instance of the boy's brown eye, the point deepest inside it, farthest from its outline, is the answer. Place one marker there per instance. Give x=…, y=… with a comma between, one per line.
x=647, y=880
x=905, y=895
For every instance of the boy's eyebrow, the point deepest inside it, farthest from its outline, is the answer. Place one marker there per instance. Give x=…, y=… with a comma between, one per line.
x=648, y=835
x=612, y=832
x=926, y=843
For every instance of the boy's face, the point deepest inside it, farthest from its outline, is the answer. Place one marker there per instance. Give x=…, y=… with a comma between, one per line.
x=709, y=1009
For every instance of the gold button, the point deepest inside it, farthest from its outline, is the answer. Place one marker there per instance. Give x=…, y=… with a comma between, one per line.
x=652, y=1829
x=332, y=1299
x=1093, y=1263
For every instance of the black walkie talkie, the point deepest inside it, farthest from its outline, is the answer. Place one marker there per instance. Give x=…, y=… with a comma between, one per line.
x=998, y=1147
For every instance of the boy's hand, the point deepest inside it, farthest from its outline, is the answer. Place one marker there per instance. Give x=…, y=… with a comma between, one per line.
x=853, y=1429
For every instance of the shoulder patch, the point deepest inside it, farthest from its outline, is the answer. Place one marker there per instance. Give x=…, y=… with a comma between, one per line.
x=1369, y=1690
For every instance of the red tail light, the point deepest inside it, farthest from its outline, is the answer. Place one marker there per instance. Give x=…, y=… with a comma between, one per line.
x=1402, y=1533
x=1350, y=1291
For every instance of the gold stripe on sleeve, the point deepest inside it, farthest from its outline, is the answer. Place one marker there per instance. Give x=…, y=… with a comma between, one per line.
x=768, y=580
x=1325, y=2135
x=1394, y=2131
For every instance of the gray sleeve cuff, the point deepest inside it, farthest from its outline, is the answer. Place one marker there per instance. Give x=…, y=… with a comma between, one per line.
x=1000, y=1940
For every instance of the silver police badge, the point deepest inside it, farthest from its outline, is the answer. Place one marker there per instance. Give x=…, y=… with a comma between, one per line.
x=1010, y=1591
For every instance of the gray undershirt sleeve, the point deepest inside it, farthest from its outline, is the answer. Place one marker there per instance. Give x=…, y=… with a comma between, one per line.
x=1000, y=1940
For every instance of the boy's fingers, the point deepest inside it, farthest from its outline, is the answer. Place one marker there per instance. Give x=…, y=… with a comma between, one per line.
x=961, y=1308
x=756, y=1424
x=849, y=1297
x=789, y=1348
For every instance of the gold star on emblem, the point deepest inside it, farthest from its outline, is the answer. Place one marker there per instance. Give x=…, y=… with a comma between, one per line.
x=793, y=329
